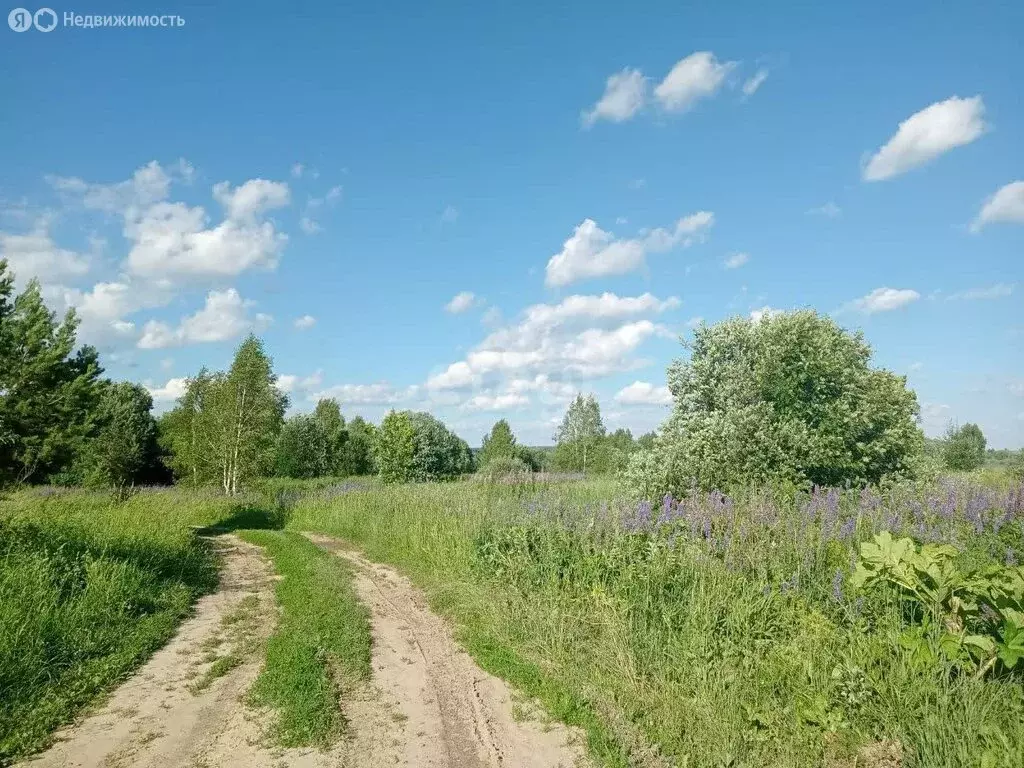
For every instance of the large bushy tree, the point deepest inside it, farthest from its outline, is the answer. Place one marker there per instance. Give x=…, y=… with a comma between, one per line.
x=49, y=392
x=124, y=450
x=791, y=398
x=358, y=450
x=303, y=449
x=395, y=448
x=964, y=447
x=613, y=451
x=414, y=446
x=579, y=434
x=331, y=423
x=498, y=443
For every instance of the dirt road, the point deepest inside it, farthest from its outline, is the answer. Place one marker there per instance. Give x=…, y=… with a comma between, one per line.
x=446, y=711
x=428, y=705
x=179, y=710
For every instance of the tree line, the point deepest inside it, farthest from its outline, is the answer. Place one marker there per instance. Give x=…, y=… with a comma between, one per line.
x=62, y=422
x=790, y=399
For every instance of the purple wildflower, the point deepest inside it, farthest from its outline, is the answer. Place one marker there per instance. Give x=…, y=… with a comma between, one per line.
x=837, y=586
x=847, y=529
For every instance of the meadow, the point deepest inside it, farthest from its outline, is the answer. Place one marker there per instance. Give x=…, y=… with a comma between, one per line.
x=724, y=631
x=758, y=629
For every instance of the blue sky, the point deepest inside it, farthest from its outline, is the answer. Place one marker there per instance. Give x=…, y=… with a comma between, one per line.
x=597, y=177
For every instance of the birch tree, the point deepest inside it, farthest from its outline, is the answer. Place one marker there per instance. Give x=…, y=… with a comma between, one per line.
x=581, y=430
x=249, y=410
x=186, y=432
x=226, y=424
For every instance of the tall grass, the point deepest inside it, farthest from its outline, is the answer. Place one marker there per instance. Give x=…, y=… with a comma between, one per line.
x=714, y=631
x=89, y=588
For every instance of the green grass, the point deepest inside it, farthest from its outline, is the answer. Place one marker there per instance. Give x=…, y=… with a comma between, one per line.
x=89, y=589
x=321, y=648
x=725, y=650
x=722, y=647
x=428, y=531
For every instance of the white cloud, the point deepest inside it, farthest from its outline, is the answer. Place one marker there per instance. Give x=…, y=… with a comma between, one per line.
x=102, y=309
x=643, y=393
x=624, y=96
x=289, y=383
x=332, y=196
x=592, y=252
x=459, y=375
x=736, y=260
x=1006, y=205
x=551, y=390
x=829, y=210
x=247, y=201
x=925, y=135
x=224, y=316
x=997, y=291
x=461, y=302
x=304, y=322
x=541, y=317
x=884, y=300
x=756, y=81
x=582, y=336
x=148, y=185
x=694, y=322
x=169, y=392
x=172, y=241
x=380, y=393
x=36, y=255
x=307, y=223
x=698, y=76
x=757, y=315
x=496, y=402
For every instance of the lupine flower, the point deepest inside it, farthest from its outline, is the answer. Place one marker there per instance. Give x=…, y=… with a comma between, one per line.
x=847, y=529
x=837, y=586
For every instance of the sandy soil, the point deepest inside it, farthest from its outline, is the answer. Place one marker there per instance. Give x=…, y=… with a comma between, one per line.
x=428, y=705
x=444, y=711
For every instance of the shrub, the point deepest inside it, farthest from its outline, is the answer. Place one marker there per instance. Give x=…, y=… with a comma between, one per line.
x=417, y=447
x=964, y=448
x=504, y=468
x=789, y=399
x=644, y=476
